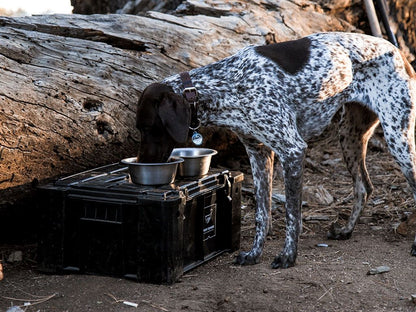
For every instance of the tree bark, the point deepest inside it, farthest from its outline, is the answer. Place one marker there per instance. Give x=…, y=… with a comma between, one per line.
x=69, y=84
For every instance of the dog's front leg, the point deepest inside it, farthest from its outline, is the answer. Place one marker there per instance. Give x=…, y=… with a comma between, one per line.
x=261, y=160
x=293, y=175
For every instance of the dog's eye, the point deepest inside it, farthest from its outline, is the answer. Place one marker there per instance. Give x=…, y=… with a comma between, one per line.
x=146, y=130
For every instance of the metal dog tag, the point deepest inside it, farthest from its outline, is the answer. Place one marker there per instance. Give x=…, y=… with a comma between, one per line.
x=197, y=138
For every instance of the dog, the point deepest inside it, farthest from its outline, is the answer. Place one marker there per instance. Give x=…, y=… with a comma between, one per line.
x=278, y=97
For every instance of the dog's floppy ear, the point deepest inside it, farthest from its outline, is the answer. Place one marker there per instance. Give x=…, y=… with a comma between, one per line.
x=146, y=112
x=175, y=115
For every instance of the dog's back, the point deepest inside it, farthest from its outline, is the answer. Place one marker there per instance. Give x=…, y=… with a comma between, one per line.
x=316, y=74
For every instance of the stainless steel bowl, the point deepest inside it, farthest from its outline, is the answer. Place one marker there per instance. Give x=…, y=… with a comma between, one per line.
x=196, y=160
x=152, y=173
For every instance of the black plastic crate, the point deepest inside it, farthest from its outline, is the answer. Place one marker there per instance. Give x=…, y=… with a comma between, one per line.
x=99, y=222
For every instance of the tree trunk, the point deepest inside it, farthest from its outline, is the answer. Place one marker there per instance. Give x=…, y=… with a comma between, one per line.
x=69, y=84
x=403, y=13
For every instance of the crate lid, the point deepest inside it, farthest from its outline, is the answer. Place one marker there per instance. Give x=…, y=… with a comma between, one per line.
x=114, y=181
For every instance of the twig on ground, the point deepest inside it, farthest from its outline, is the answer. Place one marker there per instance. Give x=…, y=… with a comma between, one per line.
x=30, y=302
x=327, y=291
x=155, y=306
x=114, y=298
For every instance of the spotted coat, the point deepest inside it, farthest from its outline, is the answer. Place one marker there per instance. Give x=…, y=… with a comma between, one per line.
x=278, y=97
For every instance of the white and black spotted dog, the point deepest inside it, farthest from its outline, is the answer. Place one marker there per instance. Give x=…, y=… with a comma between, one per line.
x=279, y=96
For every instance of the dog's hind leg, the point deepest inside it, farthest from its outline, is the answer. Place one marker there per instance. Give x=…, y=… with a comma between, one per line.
x=261, y=160
x=399, y=132
x=356, y=127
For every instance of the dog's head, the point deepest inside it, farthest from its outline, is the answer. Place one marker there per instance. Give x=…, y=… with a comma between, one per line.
x=163, y=118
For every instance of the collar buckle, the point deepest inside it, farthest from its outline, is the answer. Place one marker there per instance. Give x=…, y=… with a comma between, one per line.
x=190, y=94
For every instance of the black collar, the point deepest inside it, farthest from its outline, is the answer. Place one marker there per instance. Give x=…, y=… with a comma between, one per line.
x=191, y=96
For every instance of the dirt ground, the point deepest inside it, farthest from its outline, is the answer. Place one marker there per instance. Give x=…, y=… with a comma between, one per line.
x=332, y=278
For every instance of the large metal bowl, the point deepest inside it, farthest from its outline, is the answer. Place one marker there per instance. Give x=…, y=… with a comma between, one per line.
x=152, y=173
x=196, y=160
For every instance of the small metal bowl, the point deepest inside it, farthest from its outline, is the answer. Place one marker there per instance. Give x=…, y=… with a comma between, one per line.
x=152, y=173
x=196, y=160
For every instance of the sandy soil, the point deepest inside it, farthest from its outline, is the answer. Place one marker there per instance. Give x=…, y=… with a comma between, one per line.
x=332, y=278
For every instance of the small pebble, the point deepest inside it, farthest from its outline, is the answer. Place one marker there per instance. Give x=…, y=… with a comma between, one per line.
x=376, y=228
x=322, y=245
x=15, y=256
x=14, y=309
x=379, y=270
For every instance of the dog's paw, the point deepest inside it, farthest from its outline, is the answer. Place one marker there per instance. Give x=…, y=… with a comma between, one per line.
x=284, y=260
x=413, y=251
x=338, y=232
x=246, y=258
